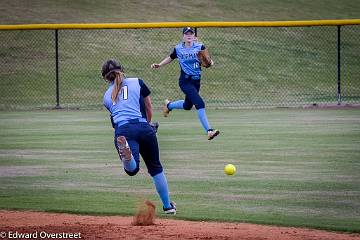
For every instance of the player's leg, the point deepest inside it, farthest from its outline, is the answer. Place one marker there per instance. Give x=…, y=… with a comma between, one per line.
x=212, y=133
x=170, y=105
x=149, y=151
x=177, y=104
x=187, y=103
x=192, y=93
x=128, y=150
x=132, y=167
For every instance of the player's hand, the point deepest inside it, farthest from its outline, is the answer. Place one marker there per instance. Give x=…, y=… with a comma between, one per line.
x=154, y=125
x=155, y=65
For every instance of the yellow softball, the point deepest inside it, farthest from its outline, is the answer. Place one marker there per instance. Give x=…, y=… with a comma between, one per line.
x=230, y=169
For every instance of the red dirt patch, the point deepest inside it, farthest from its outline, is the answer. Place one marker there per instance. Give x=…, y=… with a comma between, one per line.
x=145, y=215
x=99, y=227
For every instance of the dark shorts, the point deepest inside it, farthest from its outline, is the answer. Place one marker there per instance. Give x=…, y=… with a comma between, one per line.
x=190, y=86
x=142, y=141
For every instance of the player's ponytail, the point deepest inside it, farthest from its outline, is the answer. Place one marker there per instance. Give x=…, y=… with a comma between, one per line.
x=113, y=72
x=119, y=78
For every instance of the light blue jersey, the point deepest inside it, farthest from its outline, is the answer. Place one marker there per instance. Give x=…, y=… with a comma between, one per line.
x=187, y=56
x=129, y=103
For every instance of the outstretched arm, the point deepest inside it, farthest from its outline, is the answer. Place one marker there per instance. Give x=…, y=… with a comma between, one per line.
x=166, y=60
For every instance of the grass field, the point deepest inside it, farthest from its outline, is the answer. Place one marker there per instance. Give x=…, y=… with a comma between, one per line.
x=52, y=11
x=295, y=167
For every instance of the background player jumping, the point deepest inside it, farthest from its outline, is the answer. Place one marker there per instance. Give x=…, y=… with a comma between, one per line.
x=189, y=81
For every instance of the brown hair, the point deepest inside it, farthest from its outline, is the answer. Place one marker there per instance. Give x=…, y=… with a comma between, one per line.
x=118, y=77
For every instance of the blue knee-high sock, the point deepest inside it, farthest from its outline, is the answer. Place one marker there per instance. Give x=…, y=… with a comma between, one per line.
x=176, y=105
x=162, y=188
x=203, y=119
x=130, y=165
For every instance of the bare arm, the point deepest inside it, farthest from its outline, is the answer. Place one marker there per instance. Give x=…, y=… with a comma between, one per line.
x=166, y=60
x=148, y=108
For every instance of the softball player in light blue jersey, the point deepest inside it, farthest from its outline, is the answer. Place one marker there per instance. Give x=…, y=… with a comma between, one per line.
x=189, y=81
x=134, y=136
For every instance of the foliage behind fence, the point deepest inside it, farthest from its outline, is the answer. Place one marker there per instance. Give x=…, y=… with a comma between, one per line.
x=254, y=66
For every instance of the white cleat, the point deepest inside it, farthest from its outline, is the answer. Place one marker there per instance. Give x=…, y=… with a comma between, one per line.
x=166, y=110
x=212, y=133
x=171, y=210
x=124, y=149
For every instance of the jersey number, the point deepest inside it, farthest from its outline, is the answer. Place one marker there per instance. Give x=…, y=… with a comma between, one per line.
x=124, y=90
x=196, y=65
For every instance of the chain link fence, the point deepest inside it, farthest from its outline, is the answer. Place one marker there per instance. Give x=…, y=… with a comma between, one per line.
x=254, y=66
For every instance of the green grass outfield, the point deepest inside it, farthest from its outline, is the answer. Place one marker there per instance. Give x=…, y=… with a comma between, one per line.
x=296, y=167
x=89, y=11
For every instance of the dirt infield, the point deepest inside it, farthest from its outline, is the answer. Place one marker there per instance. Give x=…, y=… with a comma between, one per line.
x=67, y=226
